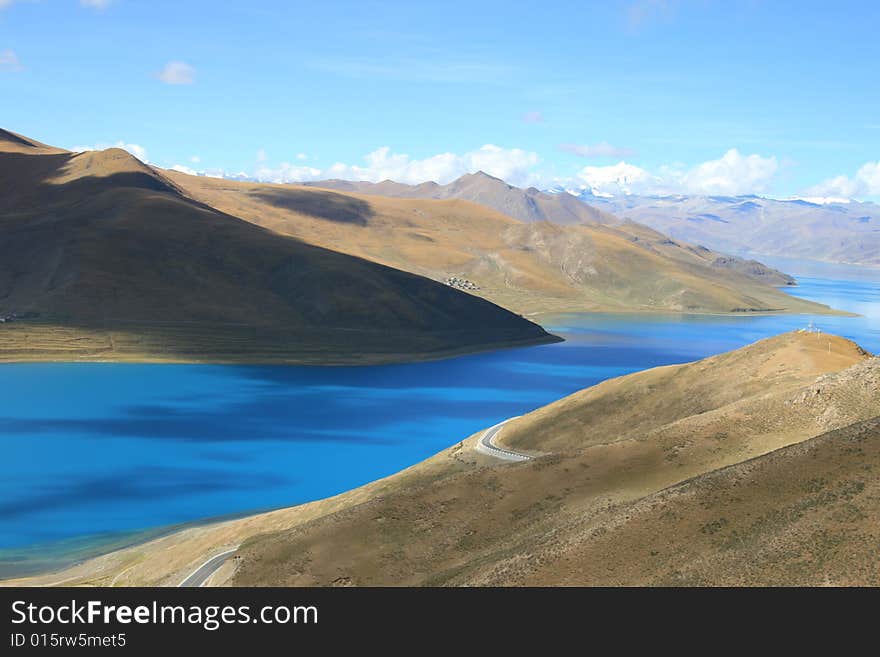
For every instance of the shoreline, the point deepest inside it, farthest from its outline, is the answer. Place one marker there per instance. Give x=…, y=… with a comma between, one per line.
x=833, y=312
x=312, y=359
x=85, y=548
x=364, y=360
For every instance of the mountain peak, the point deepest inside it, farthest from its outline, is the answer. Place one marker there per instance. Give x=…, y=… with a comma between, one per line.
x=479, y=175
x=115, y=166
x=12, y=142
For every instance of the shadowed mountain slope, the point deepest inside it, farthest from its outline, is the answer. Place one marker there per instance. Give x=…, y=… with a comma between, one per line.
x=103, y=257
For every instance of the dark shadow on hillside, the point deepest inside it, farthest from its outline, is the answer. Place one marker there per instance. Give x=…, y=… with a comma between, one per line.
x=322, y=205
x=13, y=138
x=29, y=181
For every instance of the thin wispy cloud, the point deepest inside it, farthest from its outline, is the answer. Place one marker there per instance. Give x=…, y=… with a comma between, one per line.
x=602, y=149
x=533, y=117
x=9, y=61
x=177, y=72
x=413, y=69
x=89, y=4
x=182, y=168
x=643, y=12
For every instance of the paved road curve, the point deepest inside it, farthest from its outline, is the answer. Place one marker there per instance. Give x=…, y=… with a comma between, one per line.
x=486, y=446
x=201, y=574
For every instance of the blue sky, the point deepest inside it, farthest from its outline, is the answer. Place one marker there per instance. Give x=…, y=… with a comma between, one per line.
x=665, y=96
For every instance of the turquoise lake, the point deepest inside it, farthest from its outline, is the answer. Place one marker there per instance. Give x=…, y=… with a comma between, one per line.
x=103, y=450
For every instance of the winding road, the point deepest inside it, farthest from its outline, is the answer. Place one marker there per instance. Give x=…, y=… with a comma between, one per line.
x=486, y=446
x=201, y=574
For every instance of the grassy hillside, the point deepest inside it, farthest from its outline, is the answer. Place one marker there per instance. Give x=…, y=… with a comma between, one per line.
x=528, y=267
x=102, y=257
x=751, y=467
x=805, y=515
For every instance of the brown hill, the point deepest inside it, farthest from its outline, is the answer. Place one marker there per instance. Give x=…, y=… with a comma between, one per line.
x=11, y=142
x=753, y=467
x=531, y=205
x=527, y=267
x=102, y=257
x=805, y=515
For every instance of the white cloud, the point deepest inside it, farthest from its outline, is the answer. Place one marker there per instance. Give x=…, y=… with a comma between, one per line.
x=176, y=72
x=91, y=4
x=533, y=117
x=866, y=182
x=262, y=156
x=288, y=173
x=602, y=149
x=195, y=159
x=135, y=149
x=184, y=169
x=820, y=200
x=620, y=178
x=416, y=69
x=9, y=61
x=302, y=156
x=513, y=165
x=730, y=175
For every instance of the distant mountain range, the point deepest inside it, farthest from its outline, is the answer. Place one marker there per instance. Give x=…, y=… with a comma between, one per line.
x=524, y=204
x=830, y=230
x=556, y=255
x=843, y=232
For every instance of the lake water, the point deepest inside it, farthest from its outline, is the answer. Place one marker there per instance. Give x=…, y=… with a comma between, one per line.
x=102, y=450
